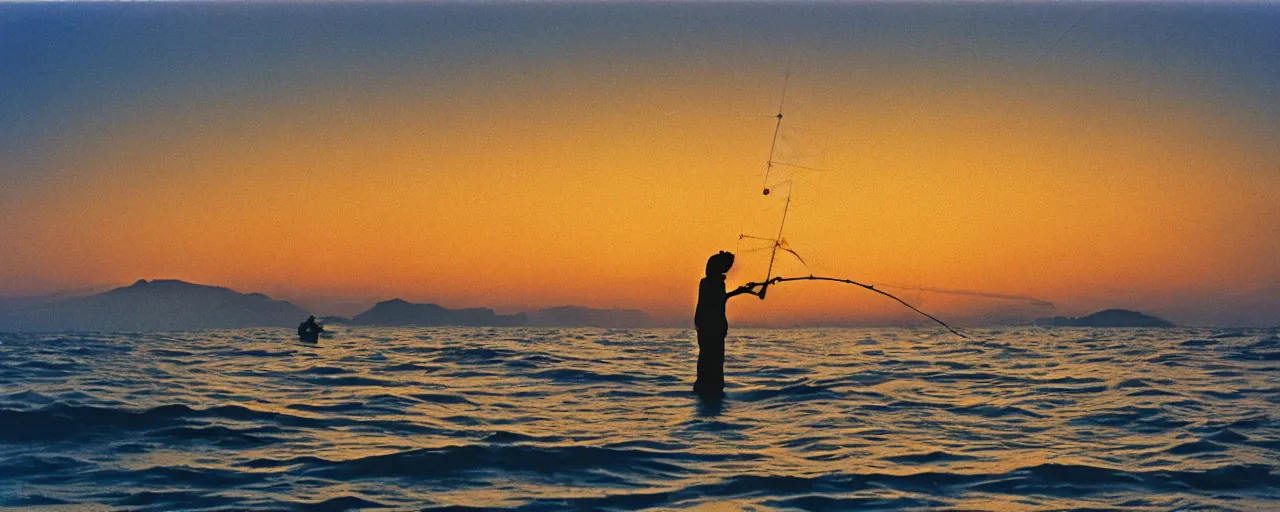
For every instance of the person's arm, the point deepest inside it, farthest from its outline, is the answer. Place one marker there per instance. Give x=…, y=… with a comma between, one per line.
x=746, y=288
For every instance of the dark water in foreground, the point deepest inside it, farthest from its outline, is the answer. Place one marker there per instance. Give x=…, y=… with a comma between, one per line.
x=588, y=418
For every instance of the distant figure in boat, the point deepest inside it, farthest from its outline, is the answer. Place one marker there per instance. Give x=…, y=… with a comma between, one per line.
x=712, y=325
x=309, y=331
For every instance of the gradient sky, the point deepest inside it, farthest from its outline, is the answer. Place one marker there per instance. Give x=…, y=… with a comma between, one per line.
x=520, y=156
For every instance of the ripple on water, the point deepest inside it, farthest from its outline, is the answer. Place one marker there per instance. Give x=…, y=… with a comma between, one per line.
x=552, y=419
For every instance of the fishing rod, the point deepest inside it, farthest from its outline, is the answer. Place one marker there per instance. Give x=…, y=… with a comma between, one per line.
x=779, y=243
x=773, y=146
x=777, y=127
x=871, y=287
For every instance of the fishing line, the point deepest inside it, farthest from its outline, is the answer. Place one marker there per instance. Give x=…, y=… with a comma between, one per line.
x=805, y=167
x=779, y=243
x=870, y=287
x=1061, y=36
x=973, y=293
x=777, y=127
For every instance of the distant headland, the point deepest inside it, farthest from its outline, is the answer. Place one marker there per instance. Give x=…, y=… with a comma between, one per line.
x=1108, y=318
x=157, y=305
x=398, y=312
x=173, y=305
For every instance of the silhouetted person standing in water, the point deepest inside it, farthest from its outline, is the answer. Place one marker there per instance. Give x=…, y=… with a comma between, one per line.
x=712, y=325
x=309, y=331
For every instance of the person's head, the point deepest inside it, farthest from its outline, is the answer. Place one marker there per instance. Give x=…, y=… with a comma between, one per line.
x=719, y=264
x=311, y=318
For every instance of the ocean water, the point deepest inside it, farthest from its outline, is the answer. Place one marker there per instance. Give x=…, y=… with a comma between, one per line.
x=556, y=419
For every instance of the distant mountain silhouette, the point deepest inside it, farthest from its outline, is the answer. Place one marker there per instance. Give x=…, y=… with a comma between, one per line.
x=172, y=305
x=157, y=305
x=334, y=320
x=32, y=301
x=1108, y=318
x=578, y=316
x=397, y=312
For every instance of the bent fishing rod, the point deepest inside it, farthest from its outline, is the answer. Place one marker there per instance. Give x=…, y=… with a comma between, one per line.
x=765, y=286
x=779, y=243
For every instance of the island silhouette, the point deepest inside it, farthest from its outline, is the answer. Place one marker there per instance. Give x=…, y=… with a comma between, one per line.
x=156, y=305
x=1107, y=318
x=398, y=312
x=174, y=305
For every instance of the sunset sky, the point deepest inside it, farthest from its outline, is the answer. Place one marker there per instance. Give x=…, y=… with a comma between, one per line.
x=522, y=156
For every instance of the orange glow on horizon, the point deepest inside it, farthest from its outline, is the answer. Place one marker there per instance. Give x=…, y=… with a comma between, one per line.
x=612, y=193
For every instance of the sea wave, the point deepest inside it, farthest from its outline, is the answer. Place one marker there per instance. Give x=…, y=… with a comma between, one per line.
x=554, y=419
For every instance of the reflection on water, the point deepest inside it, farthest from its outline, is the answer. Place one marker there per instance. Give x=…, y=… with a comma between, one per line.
x=591, y=418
